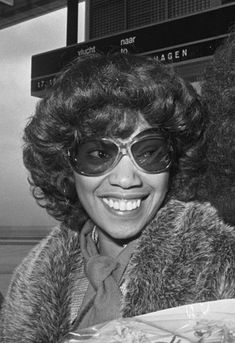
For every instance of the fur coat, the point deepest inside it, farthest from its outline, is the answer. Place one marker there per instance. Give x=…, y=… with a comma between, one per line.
x=185, y=255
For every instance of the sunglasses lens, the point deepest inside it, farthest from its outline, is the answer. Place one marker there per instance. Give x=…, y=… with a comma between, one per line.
x=152, y=154
x=150, y=151
x=93, y=157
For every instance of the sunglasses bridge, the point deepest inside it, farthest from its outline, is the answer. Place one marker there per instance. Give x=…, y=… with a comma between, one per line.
x=124, y=149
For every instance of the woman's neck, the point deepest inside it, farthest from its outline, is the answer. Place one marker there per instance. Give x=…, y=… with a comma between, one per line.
x=108, y=246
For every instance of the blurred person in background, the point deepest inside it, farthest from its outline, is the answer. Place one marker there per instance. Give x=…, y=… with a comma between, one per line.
x=217, y=184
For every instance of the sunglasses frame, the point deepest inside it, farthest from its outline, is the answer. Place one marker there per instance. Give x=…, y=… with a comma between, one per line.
x=123, y=149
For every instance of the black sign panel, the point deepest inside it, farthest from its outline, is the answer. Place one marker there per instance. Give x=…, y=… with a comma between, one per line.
x=177, y=40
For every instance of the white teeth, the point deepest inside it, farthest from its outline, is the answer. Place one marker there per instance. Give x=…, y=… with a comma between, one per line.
x=110, y=202
x=122, y=205
x=115, y=205
x=129, y=206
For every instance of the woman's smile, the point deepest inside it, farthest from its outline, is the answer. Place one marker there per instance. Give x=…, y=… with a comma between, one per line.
x=122, y=205
x=124, y=202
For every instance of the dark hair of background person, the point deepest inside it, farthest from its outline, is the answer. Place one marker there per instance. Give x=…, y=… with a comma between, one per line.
x=217, y=184
x=85, y=96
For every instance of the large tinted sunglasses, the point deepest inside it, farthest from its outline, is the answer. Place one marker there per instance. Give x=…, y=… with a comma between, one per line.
x=150, y=152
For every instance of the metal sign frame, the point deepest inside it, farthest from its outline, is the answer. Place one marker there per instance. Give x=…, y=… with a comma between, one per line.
x=180, y=41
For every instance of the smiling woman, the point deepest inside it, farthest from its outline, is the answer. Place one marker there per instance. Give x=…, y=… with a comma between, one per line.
x=107, y=150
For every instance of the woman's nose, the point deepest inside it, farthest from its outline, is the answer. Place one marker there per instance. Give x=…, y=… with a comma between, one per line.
x=125, y=174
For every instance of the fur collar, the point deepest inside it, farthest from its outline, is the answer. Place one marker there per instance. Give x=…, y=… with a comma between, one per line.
x=185, y=255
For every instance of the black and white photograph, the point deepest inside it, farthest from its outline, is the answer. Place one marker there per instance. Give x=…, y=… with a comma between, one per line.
x=117, y=178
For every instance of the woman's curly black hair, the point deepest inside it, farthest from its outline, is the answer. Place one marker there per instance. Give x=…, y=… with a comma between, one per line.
x=102, y=95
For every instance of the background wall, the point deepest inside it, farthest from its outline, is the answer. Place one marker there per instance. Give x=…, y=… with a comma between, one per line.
x=22, y=221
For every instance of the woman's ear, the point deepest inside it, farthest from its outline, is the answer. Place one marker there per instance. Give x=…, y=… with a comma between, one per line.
x=66, y=187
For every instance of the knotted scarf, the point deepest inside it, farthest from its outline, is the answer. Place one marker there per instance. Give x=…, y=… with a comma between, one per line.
x=102, y=300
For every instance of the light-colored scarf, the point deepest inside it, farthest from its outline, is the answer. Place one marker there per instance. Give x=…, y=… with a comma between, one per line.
x=102, y=301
